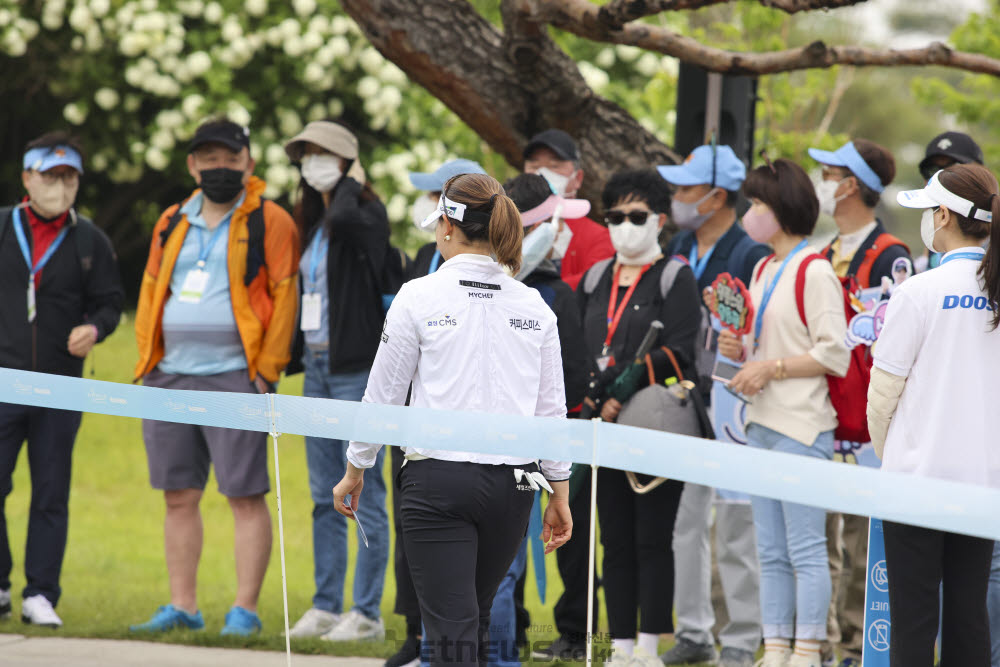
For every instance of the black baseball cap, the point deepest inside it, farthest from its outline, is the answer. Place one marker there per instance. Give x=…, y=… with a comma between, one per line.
x=955, y=145
x=557, y=141
x=231, y=135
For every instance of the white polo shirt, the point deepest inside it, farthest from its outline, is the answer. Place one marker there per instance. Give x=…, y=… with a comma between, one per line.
x=938, y=335
x=469, y=337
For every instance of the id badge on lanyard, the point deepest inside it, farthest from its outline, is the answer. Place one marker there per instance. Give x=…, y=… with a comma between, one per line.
x=312, y=306
x=33, y=270
x=194, y=286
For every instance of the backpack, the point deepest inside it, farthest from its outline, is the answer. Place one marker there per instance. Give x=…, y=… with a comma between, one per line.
x=704, y=360
x=871, y=252
x=849, y=394
x=84, y=237
x=256, y=255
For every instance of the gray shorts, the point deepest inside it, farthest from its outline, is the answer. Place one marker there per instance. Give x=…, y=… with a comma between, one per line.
x=179, y=455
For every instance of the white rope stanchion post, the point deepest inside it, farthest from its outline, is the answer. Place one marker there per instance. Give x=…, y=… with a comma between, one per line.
x=592, y=557
x=281, y=525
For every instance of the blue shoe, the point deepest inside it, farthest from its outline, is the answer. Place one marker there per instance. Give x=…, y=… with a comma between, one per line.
x=241, y=622
x=169, y=617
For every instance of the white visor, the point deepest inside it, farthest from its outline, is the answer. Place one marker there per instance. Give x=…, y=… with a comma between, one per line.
x=452, y=209
x=934, y=194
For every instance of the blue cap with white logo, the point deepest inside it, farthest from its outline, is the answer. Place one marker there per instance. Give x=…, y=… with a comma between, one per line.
x=717, y=166
x=847, y=156
x=434, y=181
x=43, y=159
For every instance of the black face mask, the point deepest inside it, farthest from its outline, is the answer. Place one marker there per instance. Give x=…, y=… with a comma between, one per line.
x=221, y=185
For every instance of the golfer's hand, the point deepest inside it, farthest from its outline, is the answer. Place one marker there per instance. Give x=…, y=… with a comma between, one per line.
x=557, y=524
x=81, y=340
x=351, y=485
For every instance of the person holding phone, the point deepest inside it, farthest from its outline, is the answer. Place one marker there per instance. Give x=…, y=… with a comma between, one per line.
x=784, y=378
x=932, y=395
x=467, y=337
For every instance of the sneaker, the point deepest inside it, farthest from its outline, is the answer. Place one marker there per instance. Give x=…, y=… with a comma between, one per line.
x=686, y=652
x=169, y=617
x=735, y=657
x=408, y=654
x=37, y=610
x=355, y=626
x=314, y=622
x=799, y=660
x=241, y=623
x=642, y=659
x=4, y=604
x=774, y=659
x=563, y=649
x=618, y=659
x=850, y=662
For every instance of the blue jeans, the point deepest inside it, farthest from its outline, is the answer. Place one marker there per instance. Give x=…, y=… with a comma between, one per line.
x=327, y=461
x=503, y=619
x=993, y=606
x=791, y=542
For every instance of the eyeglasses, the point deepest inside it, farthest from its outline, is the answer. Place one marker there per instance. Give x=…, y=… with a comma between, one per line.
x=618, y=217
x=53, y=177
x=830, y=173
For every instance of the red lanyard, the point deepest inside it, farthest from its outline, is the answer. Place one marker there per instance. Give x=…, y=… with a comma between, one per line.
x=615, y=317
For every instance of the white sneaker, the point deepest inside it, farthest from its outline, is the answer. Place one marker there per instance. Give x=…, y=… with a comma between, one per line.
x=642, y=659
x=805, y=661
x=4, y=604
x=618, y=659
x=775, y=659
x=37, y=610
x=355, y=626
x=314, y=623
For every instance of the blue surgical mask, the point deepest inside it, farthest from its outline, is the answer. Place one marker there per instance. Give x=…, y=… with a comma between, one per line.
x=535, y=248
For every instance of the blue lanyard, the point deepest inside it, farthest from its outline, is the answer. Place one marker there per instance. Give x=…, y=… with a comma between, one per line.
x=698, y=266
x=769, y=290
x=26, y=251
x=207, y=250
x=435, y=260
x=318, y=250
x=971, y=254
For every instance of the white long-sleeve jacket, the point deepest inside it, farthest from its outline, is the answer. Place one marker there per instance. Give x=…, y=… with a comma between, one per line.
x=469, y=337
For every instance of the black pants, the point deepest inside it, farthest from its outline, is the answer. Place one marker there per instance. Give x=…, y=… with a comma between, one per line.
x=920, y=562
x=637, y=535
x=407, y=604
x=463, y=524
x=573, y=560
x=50, y=434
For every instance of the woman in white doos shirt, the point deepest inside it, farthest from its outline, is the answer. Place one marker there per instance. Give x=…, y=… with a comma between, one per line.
x=932, y=413
x=468, y=337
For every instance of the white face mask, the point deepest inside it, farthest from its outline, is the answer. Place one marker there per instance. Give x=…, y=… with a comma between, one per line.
x=561, y=244
x=636, y=244
x=927, y=229
x=51, y=200
x=321, y=172
x=557, y=182
x=535, y=248
x=826, y=192
x=420, y=209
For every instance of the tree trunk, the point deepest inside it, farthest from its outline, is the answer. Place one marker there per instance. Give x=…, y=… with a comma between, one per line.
x=506, y=87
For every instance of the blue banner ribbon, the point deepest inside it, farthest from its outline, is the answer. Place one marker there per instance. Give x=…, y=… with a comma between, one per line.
x=932, y=503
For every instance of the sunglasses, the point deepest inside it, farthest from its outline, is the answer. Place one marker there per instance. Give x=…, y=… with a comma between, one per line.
x=618, y=217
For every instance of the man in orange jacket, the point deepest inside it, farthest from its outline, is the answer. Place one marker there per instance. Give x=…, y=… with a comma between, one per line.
x=216, y=312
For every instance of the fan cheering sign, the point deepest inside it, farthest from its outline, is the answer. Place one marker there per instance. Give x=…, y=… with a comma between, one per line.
x=730, y=302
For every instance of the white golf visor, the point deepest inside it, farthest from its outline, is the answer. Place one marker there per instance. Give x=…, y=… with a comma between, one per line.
x=934, y=194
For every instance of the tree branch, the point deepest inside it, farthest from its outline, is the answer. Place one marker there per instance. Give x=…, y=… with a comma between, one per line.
x=617, y=13
x=581, y=17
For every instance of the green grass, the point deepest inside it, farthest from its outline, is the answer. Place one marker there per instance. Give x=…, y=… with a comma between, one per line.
x=114, y=573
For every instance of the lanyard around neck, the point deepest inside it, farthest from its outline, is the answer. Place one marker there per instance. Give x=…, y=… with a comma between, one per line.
x=615, y=316
x=769, y=290
x=206, y=250
x=22, y=241
x=316, y=252
x=698, y=266
x=968, y=254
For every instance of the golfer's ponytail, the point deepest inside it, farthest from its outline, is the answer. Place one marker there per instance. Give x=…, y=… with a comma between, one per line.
x=490, y=216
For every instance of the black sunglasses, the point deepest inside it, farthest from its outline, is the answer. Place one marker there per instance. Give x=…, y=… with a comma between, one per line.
x=618, y=217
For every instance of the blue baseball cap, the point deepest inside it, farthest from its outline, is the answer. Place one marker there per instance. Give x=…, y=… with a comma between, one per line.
x=43, y=159
x=847, y=156
x=730, y=172
x=434, y=181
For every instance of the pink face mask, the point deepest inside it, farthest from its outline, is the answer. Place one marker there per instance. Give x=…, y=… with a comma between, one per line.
x=761, y=224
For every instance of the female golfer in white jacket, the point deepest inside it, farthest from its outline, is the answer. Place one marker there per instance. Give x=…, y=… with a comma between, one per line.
x=932, y=413
x=468, y=337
